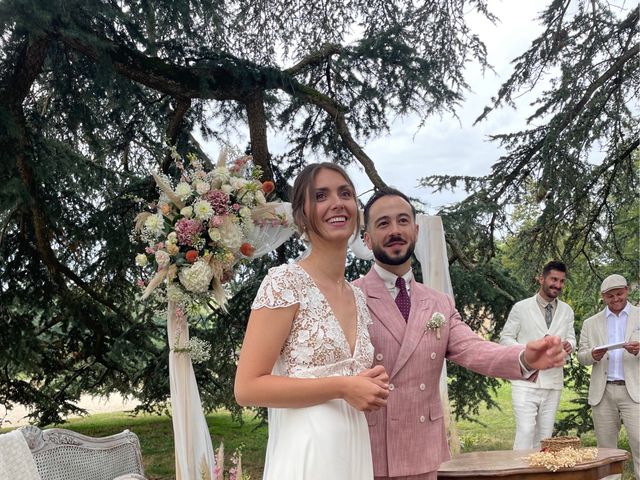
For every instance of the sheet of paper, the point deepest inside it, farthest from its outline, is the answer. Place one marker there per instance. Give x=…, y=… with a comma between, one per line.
x=610, y=346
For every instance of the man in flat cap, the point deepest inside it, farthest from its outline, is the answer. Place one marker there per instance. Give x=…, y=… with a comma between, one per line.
x=610, y=341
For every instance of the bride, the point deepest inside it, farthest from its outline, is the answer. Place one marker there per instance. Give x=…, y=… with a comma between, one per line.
x=306, y=353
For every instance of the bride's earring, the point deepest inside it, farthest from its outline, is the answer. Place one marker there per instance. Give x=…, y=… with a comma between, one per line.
x=303, y=235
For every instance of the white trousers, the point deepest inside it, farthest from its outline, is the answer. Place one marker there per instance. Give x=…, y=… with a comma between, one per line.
x=535, y=412
x=616, y=406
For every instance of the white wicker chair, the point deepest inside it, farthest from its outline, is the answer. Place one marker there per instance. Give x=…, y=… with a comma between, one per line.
x=61, y=454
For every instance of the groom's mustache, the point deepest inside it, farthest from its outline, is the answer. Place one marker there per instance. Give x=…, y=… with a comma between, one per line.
x=394, y=239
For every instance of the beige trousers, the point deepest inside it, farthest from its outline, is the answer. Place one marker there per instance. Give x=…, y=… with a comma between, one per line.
x=615, y=407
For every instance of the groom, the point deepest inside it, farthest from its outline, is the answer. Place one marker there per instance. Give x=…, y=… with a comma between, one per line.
x=414, y=329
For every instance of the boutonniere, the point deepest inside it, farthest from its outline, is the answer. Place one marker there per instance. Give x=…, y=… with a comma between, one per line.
x=437, y=321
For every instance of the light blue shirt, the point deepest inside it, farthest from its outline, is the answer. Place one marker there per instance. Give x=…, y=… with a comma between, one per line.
x=616, y=326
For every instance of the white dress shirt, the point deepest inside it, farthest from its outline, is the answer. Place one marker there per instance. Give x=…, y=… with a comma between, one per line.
x=389, y=280
x=616, y=326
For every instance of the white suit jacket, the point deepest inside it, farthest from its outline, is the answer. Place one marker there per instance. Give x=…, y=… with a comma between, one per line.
x=594, y=333
x=525, y=323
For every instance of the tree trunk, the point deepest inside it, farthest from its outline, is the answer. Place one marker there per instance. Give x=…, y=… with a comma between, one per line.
x=257, y=120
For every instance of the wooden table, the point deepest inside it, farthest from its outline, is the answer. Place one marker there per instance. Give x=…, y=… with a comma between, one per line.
x=503, y=464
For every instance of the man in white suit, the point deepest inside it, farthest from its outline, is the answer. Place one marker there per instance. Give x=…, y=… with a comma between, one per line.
x=614, y=390
x=535, y=403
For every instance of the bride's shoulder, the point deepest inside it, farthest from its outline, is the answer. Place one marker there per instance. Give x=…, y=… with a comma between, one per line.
x=285, y=270
x=281, y=287
x=288, y=274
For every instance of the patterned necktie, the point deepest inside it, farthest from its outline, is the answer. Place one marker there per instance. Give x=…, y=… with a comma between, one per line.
x=402, y=299
x=548, y=314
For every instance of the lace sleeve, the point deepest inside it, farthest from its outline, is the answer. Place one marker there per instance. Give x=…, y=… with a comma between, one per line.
x=278, y=289
x=361, y=303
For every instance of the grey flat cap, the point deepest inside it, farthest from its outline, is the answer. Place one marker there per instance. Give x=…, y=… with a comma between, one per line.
x=611, y=282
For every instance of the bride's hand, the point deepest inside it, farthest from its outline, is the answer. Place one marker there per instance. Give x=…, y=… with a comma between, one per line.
x=379, y=374
x=365, y=393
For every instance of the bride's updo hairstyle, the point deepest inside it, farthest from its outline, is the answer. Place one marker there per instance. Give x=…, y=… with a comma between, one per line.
x=301, y=193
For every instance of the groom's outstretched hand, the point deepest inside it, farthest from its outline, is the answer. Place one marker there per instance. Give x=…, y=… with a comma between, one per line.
x=544, y=353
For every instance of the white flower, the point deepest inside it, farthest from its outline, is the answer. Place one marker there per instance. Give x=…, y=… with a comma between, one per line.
x=172, y=238
x=154, y=224
x=162, y=258
x=248, y=227
x=214, y=233
x=303, y=336
x=221, y=175
x=183, y=190
x=141, y=260
x=247, y=198
x=174, y=152
x=202, y=187
x=226, y=188
x=187, y=212
x=197, y=277
x=302, y=353
x=174, y=294
x=245, y=212
x=437, y=321
x=260, y=197
x=202, y=210
x=199, y=350
x=231, y=234
x=237, y=183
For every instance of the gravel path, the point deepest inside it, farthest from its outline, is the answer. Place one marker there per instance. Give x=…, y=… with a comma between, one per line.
x=114, y=403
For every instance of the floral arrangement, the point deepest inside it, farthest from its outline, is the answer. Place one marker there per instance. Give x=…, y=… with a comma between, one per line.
x=235, y=471
x=199, y=228
x=199, y=350
x=436, y=322
x=564, y=458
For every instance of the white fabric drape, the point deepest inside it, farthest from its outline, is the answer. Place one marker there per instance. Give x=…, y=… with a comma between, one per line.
x=267, y=238
x=359, y=248
x=431, y=252
x=193, y=448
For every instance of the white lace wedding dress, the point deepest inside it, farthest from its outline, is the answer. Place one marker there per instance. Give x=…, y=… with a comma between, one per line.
x=329, y=441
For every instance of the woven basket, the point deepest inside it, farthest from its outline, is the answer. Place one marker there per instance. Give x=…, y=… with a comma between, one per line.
x=554, y=444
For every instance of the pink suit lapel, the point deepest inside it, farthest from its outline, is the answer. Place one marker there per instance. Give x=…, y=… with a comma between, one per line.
x=415, y=326
x=380, y=302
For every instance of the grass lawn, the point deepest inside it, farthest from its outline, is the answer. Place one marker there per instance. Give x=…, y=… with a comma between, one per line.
x=156, y=439
x=156, y=436
x=499, y=432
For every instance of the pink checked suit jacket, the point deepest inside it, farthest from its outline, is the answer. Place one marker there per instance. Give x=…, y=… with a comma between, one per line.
x=408, y=435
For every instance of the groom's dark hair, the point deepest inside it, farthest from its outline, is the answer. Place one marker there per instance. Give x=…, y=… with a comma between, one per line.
x=384, y=192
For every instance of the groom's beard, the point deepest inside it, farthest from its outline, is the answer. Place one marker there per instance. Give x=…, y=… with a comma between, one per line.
x=382, y=256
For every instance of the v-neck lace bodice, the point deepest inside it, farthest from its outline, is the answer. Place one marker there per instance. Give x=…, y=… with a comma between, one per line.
x=316, y=346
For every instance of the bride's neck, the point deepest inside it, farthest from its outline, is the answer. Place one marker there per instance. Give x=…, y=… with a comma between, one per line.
x=326, y=264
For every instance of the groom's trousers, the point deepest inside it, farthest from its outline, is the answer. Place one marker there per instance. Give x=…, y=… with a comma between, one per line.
x=422, y=476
